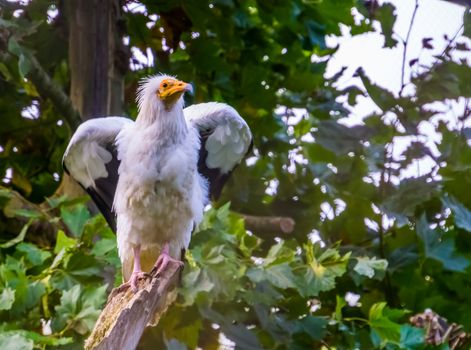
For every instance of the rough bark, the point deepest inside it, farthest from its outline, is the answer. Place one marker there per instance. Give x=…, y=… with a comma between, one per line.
x=126, y=315
x=97, y=61
x=96, y=77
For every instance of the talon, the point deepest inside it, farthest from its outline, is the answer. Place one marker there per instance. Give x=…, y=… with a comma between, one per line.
x=163, y=261
x=135, y=277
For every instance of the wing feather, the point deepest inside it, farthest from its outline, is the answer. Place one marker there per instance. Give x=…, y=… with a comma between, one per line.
x=225, y=140
x=91, y=158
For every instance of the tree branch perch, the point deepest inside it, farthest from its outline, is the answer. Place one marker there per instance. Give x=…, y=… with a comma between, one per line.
x=126, y=315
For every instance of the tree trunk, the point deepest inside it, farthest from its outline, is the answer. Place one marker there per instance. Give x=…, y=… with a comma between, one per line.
x=97, y=61
x=97, y=87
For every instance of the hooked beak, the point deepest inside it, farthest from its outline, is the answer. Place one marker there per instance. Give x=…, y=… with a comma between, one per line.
x=176, y=90
x=171, y=91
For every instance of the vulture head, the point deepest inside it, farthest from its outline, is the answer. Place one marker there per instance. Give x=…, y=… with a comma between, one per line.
x=161, y=93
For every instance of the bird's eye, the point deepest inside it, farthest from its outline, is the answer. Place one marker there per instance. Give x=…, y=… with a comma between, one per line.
x=164, y=85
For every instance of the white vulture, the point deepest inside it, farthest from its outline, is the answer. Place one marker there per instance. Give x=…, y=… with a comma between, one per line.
x=152, y=178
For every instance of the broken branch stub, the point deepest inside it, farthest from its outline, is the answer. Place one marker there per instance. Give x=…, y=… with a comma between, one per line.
x=126, y=315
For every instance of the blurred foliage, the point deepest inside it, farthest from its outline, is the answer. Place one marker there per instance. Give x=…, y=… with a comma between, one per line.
x=400, y=242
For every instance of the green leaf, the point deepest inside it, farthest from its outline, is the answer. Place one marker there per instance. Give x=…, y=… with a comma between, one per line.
x=106, y=249
x=14, y=47
x=278, y=254
x=383, y=98
x=91, y=301
x=69, y=301
x=81, y=307
x=244, y=338
x=27, y=293
x=387, y=17
x=340, y=303
x=368, y=267
x=448, y=80
x=314, y=326
x=32, y=253
x=339, y=138
x=63, y=242
x=75, y=218
x=316, y=34
x=411, y=337
x=195, y=282
x=401, y=201
x=5, y=72
x=7, y=297
x=437, y=248
x=386, y=329
x=281, y=276
x=461, y=213
x=15, y=342
x=321, y=272
x=24, y=66
x=81, y=264
x=39, y=339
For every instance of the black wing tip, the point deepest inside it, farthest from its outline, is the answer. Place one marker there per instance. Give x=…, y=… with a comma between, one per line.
x=103, y=208
x=65, y=168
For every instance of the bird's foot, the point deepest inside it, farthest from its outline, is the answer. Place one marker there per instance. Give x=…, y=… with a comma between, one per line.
x=162, y=263
x=135, y=277
x=132, y=283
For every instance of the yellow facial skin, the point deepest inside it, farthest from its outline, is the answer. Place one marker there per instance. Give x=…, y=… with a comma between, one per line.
x=170, y=91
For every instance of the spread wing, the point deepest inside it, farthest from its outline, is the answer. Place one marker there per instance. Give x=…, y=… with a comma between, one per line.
x=225, y=140
x=91, y=159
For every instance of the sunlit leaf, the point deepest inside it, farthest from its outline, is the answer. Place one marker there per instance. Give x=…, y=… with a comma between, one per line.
x=369, y=267
x=388, y=330
x=63, y=242
x=7, y=297
x=15, y=342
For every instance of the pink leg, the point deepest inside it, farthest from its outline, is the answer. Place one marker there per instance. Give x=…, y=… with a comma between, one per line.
x=136, y=271
x=163, y=260
x=135, y=276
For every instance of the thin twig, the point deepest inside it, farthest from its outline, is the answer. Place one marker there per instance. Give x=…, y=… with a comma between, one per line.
x=451, y=41
x=406, y=42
